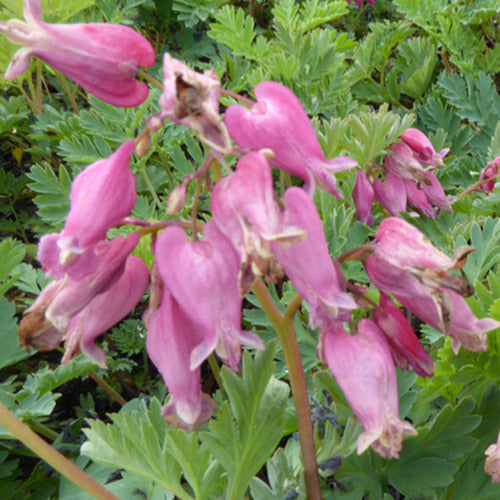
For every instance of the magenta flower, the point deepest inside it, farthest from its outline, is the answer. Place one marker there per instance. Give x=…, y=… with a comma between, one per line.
x=362, y=365
x=202, y=277
x=422, y=147
x=391, y=193
x=492, y=463
x=101, y=196
x=435, y=193
x=417, y=198
x=404, y=344
x=489, y=175
x=192, y=99
x=104, y=311
x=362, y=195
x=172, y=337
x=403, y=164
x=102, y=58
x=308, y=263
x=359, y=3
x=278, y=122
x=244, y=209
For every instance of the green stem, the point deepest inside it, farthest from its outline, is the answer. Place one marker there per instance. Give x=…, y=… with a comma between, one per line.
x=62, y=80
x=283, y=325
x=106, y=387
x=214, y=366
x=151, y=188
x=150, y=79
x=55, y=459
x=43, y=430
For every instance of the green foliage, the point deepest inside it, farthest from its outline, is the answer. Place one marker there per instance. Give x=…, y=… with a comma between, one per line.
x=12, y=252
x=249, y=426
x=10, y=353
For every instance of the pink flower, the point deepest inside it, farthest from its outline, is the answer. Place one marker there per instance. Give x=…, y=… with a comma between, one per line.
x=172, y=337
x=244, y=209
x=489, y=174
x=192, y=99
x=362, y=365
x=278, y=122
x=308, y=263
x=403, y=163
x=391, y=194
x=102, y=58
x=359, y=3
x=492, y=463
x=404, y=344
x=422, y=148
x=452, y=316
x=417, y=198
x=49, y=318
x=202, y=277
x=435, y=193
x=362, y=194
x=106, y=310
x=101, y=196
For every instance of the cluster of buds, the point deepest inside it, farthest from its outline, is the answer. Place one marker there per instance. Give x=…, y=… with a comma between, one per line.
x=407, y=180
x=197, y=286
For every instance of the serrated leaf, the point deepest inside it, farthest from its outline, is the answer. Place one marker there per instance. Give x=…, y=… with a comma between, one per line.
x=249, y=426
x=12, y=252
x=10, y=353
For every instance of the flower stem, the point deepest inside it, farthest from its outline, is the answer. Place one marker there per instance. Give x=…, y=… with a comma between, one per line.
x=236, y=96
x=474, y=187
x=58, y=461
x=150, y=79
x=106, y=387
x=286, y=333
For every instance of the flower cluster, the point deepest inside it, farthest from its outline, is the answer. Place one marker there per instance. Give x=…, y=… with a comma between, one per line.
x=198, y=283
x=407, y=180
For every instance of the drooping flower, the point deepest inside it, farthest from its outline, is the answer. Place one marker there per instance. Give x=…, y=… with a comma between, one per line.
x=106, y=310
x=362, y=365
x=391, y=193
x=422, y=147
x=278, y=122
x=101, y=196
x=202, y=277
x=172, y=337
x=102, y=58
x=405, y=346
x=489, y=175
x=308, y=263
x=362, y=195
x=48, y=319
x=192, y=99
x=492, y=463
x=359, y=3
x=403, y=164
x=244, y=209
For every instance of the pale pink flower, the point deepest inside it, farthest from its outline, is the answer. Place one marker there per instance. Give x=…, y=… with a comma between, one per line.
x=417, y=199
x=403, y=164
x=492, y=463
x=422, y=147
x=172, y=337
x=102, y=58
x=434, y=192
x=202, y=277
x=192, y=99
x=363, y=367
x=405, y=346
x=489, y=174
x=308, y=263
x=278, y=122
x=101, y=196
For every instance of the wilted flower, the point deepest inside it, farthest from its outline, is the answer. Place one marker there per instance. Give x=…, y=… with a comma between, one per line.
x=202, y=277
x=278, y=122
x=244, y=209
x=362, y=365
x=106, y=310
x=308, y=263
x=49, y=317
x=492, y=463
x=192, y=99
x=422, y=147
x=101, y=196
x=102, y=58
x=489, y=175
